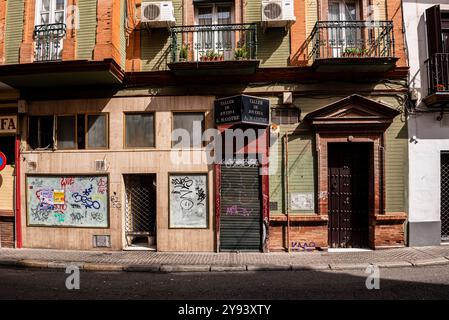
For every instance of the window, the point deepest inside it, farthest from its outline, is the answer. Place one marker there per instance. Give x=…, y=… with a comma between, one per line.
x=50, y=11
x=40, y=132
x=193, y=124
x=83, y=131
x=213, y=40
x=65, y=132
x=284, y=116
x=139, y=130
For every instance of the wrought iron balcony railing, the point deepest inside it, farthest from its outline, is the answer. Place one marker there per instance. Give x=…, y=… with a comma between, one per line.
x=438, y=73
x=352, y=39
x=48, y=41
x=222, y=42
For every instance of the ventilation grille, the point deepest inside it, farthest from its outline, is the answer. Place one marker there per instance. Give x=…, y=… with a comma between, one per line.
x=151, y=12
x=103, y=241
x=100, y=165
x=272, y=11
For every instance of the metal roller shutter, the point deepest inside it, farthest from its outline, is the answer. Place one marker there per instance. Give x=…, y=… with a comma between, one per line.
x=240, y=212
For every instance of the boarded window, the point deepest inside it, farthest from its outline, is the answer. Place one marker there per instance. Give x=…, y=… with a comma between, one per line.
x=193, y=124
x=96, y=131
x=139, y=130
x=40, y=132
x=285, y=116
x=66, y=132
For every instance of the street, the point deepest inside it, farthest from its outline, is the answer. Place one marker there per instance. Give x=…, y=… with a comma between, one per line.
x=395, y=283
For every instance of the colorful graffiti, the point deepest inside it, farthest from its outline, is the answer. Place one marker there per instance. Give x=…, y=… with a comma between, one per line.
x=68, y=201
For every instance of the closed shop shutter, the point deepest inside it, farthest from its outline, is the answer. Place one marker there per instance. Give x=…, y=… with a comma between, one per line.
x=240, y=212
x=7, y=232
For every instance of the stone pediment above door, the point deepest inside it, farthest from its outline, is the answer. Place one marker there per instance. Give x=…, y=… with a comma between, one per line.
x=352, y=112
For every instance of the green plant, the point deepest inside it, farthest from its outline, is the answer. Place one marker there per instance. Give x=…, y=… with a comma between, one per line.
x=241, y=53
x=184, y=52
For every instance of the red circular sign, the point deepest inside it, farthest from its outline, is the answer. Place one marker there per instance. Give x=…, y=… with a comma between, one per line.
x=2, y=161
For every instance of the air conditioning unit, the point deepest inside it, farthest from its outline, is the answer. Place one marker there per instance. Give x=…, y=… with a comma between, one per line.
x=278, y=13
x=158, y=14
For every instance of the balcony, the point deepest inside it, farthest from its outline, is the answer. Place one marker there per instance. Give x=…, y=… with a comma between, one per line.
x=213, y=49
x=48, y=40
x=359, y=46
x=438, y=81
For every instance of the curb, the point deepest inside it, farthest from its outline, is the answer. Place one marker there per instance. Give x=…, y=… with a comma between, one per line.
x=156, y=268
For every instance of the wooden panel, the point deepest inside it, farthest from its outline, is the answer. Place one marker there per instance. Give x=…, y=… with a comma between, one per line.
x=122, y=34
x=7, y=188
x=14, y=30
x=85, y=35
x=396, y=166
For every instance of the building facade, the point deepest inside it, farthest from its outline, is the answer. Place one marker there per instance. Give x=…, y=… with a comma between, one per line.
x=426, y=31
x=119, y=100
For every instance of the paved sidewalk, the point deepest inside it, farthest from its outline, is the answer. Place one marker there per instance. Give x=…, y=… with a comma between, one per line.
x=145, y=261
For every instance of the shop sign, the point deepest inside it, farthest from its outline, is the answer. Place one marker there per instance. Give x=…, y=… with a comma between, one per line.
x=8, y=124
x=242, y=109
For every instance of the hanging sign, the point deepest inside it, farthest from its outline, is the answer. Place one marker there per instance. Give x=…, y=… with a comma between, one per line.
x=242, y=109
x=2, y=161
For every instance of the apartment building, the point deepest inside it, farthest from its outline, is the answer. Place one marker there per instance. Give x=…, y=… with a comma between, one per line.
x=118, y=101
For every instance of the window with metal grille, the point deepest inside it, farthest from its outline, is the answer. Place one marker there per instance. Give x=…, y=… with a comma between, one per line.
x=284, y=116
x=444, y=195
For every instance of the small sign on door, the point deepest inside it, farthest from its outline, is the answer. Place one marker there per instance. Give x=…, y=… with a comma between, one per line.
x=301, y=201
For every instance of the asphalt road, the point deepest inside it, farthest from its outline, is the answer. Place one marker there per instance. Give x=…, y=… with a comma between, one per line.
x=395, y=283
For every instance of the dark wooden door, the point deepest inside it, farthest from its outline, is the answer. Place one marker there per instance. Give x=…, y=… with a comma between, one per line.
x=348, y=194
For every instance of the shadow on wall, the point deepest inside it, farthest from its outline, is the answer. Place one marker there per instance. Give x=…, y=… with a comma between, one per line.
x=270, y=43
x=301, y=57
x=155, y=49
x=420, y=83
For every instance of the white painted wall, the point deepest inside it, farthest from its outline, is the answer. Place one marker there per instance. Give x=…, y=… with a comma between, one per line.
x=428, y=136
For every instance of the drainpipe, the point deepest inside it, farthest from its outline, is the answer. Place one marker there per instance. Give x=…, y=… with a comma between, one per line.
x=286, y=189
x=18, y=198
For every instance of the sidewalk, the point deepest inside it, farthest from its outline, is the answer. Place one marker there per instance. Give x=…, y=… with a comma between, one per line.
x=145, y=261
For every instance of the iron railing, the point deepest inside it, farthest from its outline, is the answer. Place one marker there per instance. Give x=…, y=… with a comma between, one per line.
x=438, y=72
x=222, y=42
x=352, y=39
x=444, y=196
x=48, y=41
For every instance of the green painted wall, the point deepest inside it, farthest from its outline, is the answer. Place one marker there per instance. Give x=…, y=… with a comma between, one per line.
x=301, y=171
x=86, y=34
x=13, y=30
x=273, y=46
x=155, y=43
x=396, y=155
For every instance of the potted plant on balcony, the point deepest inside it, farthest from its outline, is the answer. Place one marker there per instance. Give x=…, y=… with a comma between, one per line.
x=183, y=52
x=350, y=52
x=241, y=53
x=440, y=87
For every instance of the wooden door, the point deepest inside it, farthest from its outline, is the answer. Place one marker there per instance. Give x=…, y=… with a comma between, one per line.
x=348, y=179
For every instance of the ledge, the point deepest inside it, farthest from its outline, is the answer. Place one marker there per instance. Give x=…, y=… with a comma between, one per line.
x=298, y=217
x=437, y=100
x=355, y=64
x=391, y=217
x=61, y=73
x=231, y=67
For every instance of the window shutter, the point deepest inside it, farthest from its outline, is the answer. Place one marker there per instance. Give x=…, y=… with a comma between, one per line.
x=433, y=21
